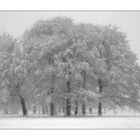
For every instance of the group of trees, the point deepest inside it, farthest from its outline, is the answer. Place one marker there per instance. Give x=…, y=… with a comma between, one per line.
x=60, y=64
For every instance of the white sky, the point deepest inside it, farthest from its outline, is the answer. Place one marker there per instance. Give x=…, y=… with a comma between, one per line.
x=129, y=22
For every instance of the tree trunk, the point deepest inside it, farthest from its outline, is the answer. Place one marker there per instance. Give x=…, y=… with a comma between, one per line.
x=90, y=110
x=68, y=107
x=100, y=100
x=83, y=109
x=51, y=109
x=34, y=109
x=76, y=108
x=23, y=105
x=68, y=100
x=84, y=87
x=100, y=109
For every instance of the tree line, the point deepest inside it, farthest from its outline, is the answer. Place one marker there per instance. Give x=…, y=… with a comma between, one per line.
x=60, y=64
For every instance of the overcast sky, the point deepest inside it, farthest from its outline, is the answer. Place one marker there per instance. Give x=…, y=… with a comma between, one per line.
x=129, y=22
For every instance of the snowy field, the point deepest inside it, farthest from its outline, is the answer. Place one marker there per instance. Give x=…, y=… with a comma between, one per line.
x=70, y=123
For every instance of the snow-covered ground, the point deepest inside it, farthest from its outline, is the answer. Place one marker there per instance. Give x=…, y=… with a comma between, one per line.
x=70, y=123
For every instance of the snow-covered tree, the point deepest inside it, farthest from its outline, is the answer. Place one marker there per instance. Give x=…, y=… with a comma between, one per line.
x=43, y=42
x=13, y=73
x=78, y=62
x=116, y=72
